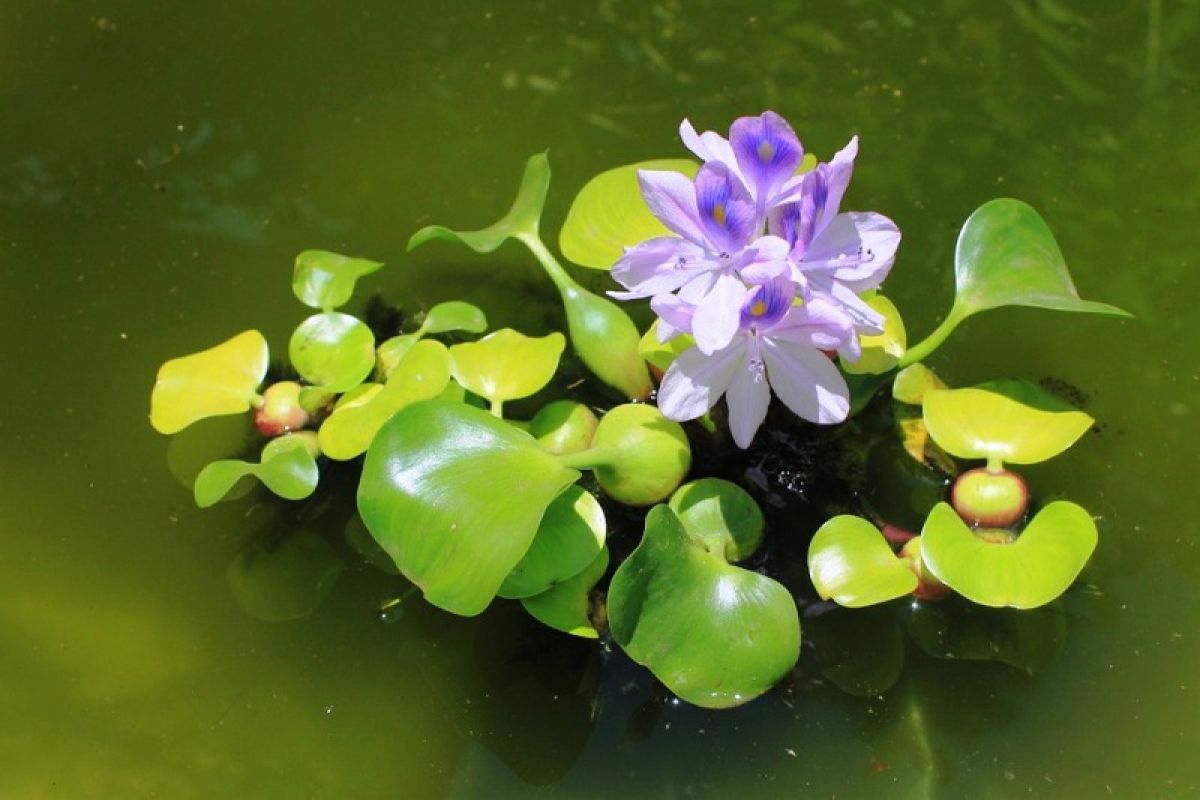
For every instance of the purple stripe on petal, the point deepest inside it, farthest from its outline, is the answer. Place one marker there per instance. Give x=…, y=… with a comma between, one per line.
x=725, y=208
x=767, y=151
x=806, y=381
x=767, y=304
x=835, y=178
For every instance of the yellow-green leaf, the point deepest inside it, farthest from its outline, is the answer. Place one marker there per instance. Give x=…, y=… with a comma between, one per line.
x=1003, y=421
x=506, y=365
x=881, y=352
x=220, y=380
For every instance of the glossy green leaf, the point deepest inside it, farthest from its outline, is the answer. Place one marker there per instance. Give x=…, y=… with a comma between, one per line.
x=1007, y=256
x=422, y=374
x=332, y=350
x=1010, y=420
x=568, y=539
x=506, y=365
x=851, y=563
x=290, y=472
x=716, y=635
x=881, y=352
x=454, y=315
x=326, y=280
x=390, y=353
x=609, y=214
x=220, y=380
x=1030, y=572
x=285, y=580
x=720, y=515
x=913, y=382
x=455, y=496
x=1029, y=640
x=660, y=355
x=523, y=217
x=565, y=606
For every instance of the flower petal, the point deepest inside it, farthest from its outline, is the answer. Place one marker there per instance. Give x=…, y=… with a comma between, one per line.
x=695, y=381
x=835, y=178
x=864, y=318
x=767, y=259
x=709, y=146
x=859, y=247
x=676, y=313
x=768, y=153
x=672, y=198
x=658, y=265
x=719, y=313
x=725, y=207
x=748, y=396
x=806, y=381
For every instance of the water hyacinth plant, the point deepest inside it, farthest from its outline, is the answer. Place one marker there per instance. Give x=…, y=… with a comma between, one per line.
x=761, y=287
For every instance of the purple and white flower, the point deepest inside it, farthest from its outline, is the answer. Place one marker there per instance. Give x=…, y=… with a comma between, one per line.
x=778, y=347
x=714, y=250
x=835, y=255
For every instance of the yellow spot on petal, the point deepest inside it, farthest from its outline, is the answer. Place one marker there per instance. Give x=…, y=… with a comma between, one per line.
x=758, y=309
x=766, y=151
x=719, y=213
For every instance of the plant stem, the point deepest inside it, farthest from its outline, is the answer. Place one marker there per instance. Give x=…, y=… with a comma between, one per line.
x=588, y=459
x=549, y=263
x=498, y=408
x=934, y=340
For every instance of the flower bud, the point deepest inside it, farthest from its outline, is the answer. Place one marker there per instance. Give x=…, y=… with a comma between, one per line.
x=280, y=411
x=607, y=341
x=990, y=499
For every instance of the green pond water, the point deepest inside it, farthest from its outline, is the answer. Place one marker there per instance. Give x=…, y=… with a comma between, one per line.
x=162, y=163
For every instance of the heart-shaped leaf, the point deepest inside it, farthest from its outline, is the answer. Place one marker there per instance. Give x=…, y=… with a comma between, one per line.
x=332, y=350
x=565, y=606
x=716, y=635
x=286, y=580
x=880, y=352
x=326, y=280
x=569, y=537
x=1029, y=572
x=454, y=315
x=390, y=353
x=609, y=214
x=1010, y=420
x=720, y=515
x=851, y=563
x=288, y=471
x=423, y=374
x=522, y=218
x=506, y=365
x=1007, y=256
x=455, y=496
x=220, y=380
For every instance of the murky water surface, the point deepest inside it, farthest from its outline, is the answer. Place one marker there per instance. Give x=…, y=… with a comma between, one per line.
x=162, y=163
